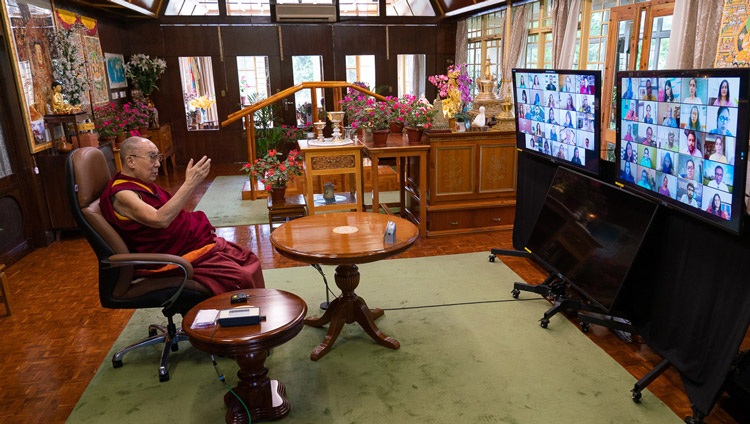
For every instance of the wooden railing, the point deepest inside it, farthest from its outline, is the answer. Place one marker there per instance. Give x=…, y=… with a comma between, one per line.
x=249, y=112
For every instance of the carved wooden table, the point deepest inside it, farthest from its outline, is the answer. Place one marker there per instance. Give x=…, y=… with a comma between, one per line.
x=344, y=239
x=249, y=345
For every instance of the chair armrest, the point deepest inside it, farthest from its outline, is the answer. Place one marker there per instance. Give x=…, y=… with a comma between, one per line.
x=127, y=259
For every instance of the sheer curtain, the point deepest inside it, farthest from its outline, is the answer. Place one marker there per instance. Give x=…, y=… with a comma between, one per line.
x=516, y=48
x=462, y=42
x=692, y=43
x=564, y=26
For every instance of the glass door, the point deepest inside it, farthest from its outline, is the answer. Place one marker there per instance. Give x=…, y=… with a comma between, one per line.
x=638, y=38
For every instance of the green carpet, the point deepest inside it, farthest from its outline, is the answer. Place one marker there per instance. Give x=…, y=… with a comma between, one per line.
x=224, y=206
x=481, y=357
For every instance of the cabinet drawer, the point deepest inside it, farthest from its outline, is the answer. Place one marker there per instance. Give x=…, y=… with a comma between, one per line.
x=493, y=217
x=450, y=220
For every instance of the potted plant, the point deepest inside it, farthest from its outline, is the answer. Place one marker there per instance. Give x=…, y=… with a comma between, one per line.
x=105, y=121
x=145, y=72
x=417, y=115
x=136, y=115
x=274, y=172
x=375, y=116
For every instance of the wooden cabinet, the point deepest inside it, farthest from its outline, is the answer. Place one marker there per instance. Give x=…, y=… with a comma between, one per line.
x=471, y=182
x=162, y=137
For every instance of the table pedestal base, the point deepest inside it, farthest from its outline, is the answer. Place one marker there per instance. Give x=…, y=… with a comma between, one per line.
x=346, y=309
x=264, y=398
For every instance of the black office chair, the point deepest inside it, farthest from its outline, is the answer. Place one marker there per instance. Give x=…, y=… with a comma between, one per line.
x=87, y=175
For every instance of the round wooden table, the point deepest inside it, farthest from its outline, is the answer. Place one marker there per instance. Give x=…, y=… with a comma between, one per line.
x=344, y=239
x=249, y=346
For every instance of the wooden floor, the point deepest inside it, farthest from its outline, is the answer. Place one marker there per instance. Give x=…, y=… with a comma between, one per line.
x=58, y=334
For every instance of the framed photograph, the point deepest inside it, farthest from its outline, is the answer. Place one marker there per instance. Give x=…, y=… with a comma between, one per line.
x=28, y=25
x=115, y=70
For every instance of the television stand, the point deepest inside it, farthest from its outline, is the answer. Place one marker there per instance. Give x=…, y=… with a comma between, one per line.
x=552, y=288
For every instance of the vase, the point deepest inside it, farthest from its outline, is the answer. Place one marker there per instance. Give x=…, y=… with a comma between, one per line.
x=396, y=127
x=278, y=194
x=380, y=137
x=414, y=134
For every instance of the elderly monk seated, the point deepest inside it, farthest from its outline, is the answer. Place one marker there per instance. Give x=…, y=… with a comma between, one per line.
x=151, y=220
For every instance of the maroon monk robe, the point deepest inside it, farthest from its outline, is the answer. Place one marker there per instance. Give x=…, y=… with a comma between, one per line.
x=226, y=266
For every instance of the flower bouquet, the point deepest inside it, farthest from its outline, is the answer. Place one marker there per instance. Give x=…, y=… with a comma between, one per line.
x=202, y=102
x=273, y=172
x=144, y=72
x=68, y=64
x=454, y=88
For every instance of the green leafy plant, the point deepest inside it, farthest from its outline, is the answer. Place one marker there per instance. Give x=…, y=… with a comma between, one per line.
x=145, y=72
x=274, y=172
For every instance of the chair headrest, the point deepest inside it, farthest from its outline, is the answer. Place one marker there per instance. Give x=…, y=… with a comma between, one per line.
x=91, y=174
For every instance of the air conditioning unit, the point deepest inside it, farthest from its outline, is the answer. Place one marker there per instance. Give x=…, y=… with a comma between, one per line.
x=305, y=12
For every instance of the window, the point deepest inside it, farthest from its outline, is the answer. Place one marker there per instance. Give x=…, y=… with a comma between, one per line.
x=485, y=35
x=539, y=47
x=198, y=93
x=305, y=69
x=248, y=8
x=361, y=68
x=192, y=8
x=411, y=75
x=252, y=72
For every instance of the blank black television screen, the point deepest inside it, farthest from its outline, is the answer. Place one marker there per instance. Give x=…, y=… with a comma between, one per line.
x=589, y=232
x=682, y=138
x=558, y=115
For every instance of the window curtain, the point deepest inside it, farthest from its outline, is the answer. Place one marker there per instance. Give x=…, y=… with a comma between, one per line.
x=694, y=37
x=462, y=42
x=519, y=38
x=564, y=27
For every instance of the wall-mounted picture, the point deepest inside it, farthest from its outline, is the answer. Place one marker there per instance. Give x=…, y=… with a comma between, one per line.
x=29, y=24
x=115, y=70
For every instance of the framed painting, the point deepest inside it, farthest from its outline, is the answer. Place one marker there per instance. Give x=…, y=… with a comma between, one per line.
x=28, y=24
x=115, y=70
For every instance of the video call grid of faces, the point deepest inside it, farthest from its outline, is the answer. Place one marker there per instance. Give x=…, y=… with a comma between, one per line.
x=678, y=138
x=556, y=114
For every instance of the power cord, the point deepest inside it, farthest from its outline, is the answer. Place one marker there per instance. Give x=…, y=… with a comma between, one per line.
x=223, y=379
x=325, y=304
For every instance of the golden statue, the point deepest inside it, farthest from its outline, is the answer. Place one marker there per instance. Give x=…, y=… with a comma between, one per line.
x=59, y=105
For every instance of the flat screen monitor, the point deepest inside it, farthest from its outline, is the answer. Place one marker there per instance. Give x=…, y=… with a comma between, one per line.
x=589, y=233
x=682, y=138
x=558, y=115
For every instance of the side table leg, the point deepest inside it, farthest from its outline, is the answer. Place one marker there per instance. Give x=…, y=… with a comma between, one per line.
x=366, y=318
x=264, y=398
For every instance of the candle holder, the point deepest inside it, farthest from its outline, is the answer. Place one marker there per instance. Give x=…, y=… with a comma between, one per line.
x=336, y=118
x=319, y=127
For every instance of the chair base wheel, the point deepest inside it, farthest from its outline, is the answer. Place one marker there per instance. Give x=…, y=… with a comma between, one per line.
x=163, y=377
x=116, y=364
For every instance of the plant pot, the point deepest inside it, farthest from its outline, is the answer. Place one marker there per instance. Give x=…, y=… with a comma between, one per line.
x=119, y=139
x=143, y=131
x=396, y=127
x=278, y=194
x=414, y=134
x=380, y=137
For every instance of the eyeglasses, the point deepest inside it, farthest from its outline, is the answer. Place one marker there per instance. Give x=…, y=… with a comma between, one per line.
x=688, y=167
x=153, y=157
x=724, y=118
